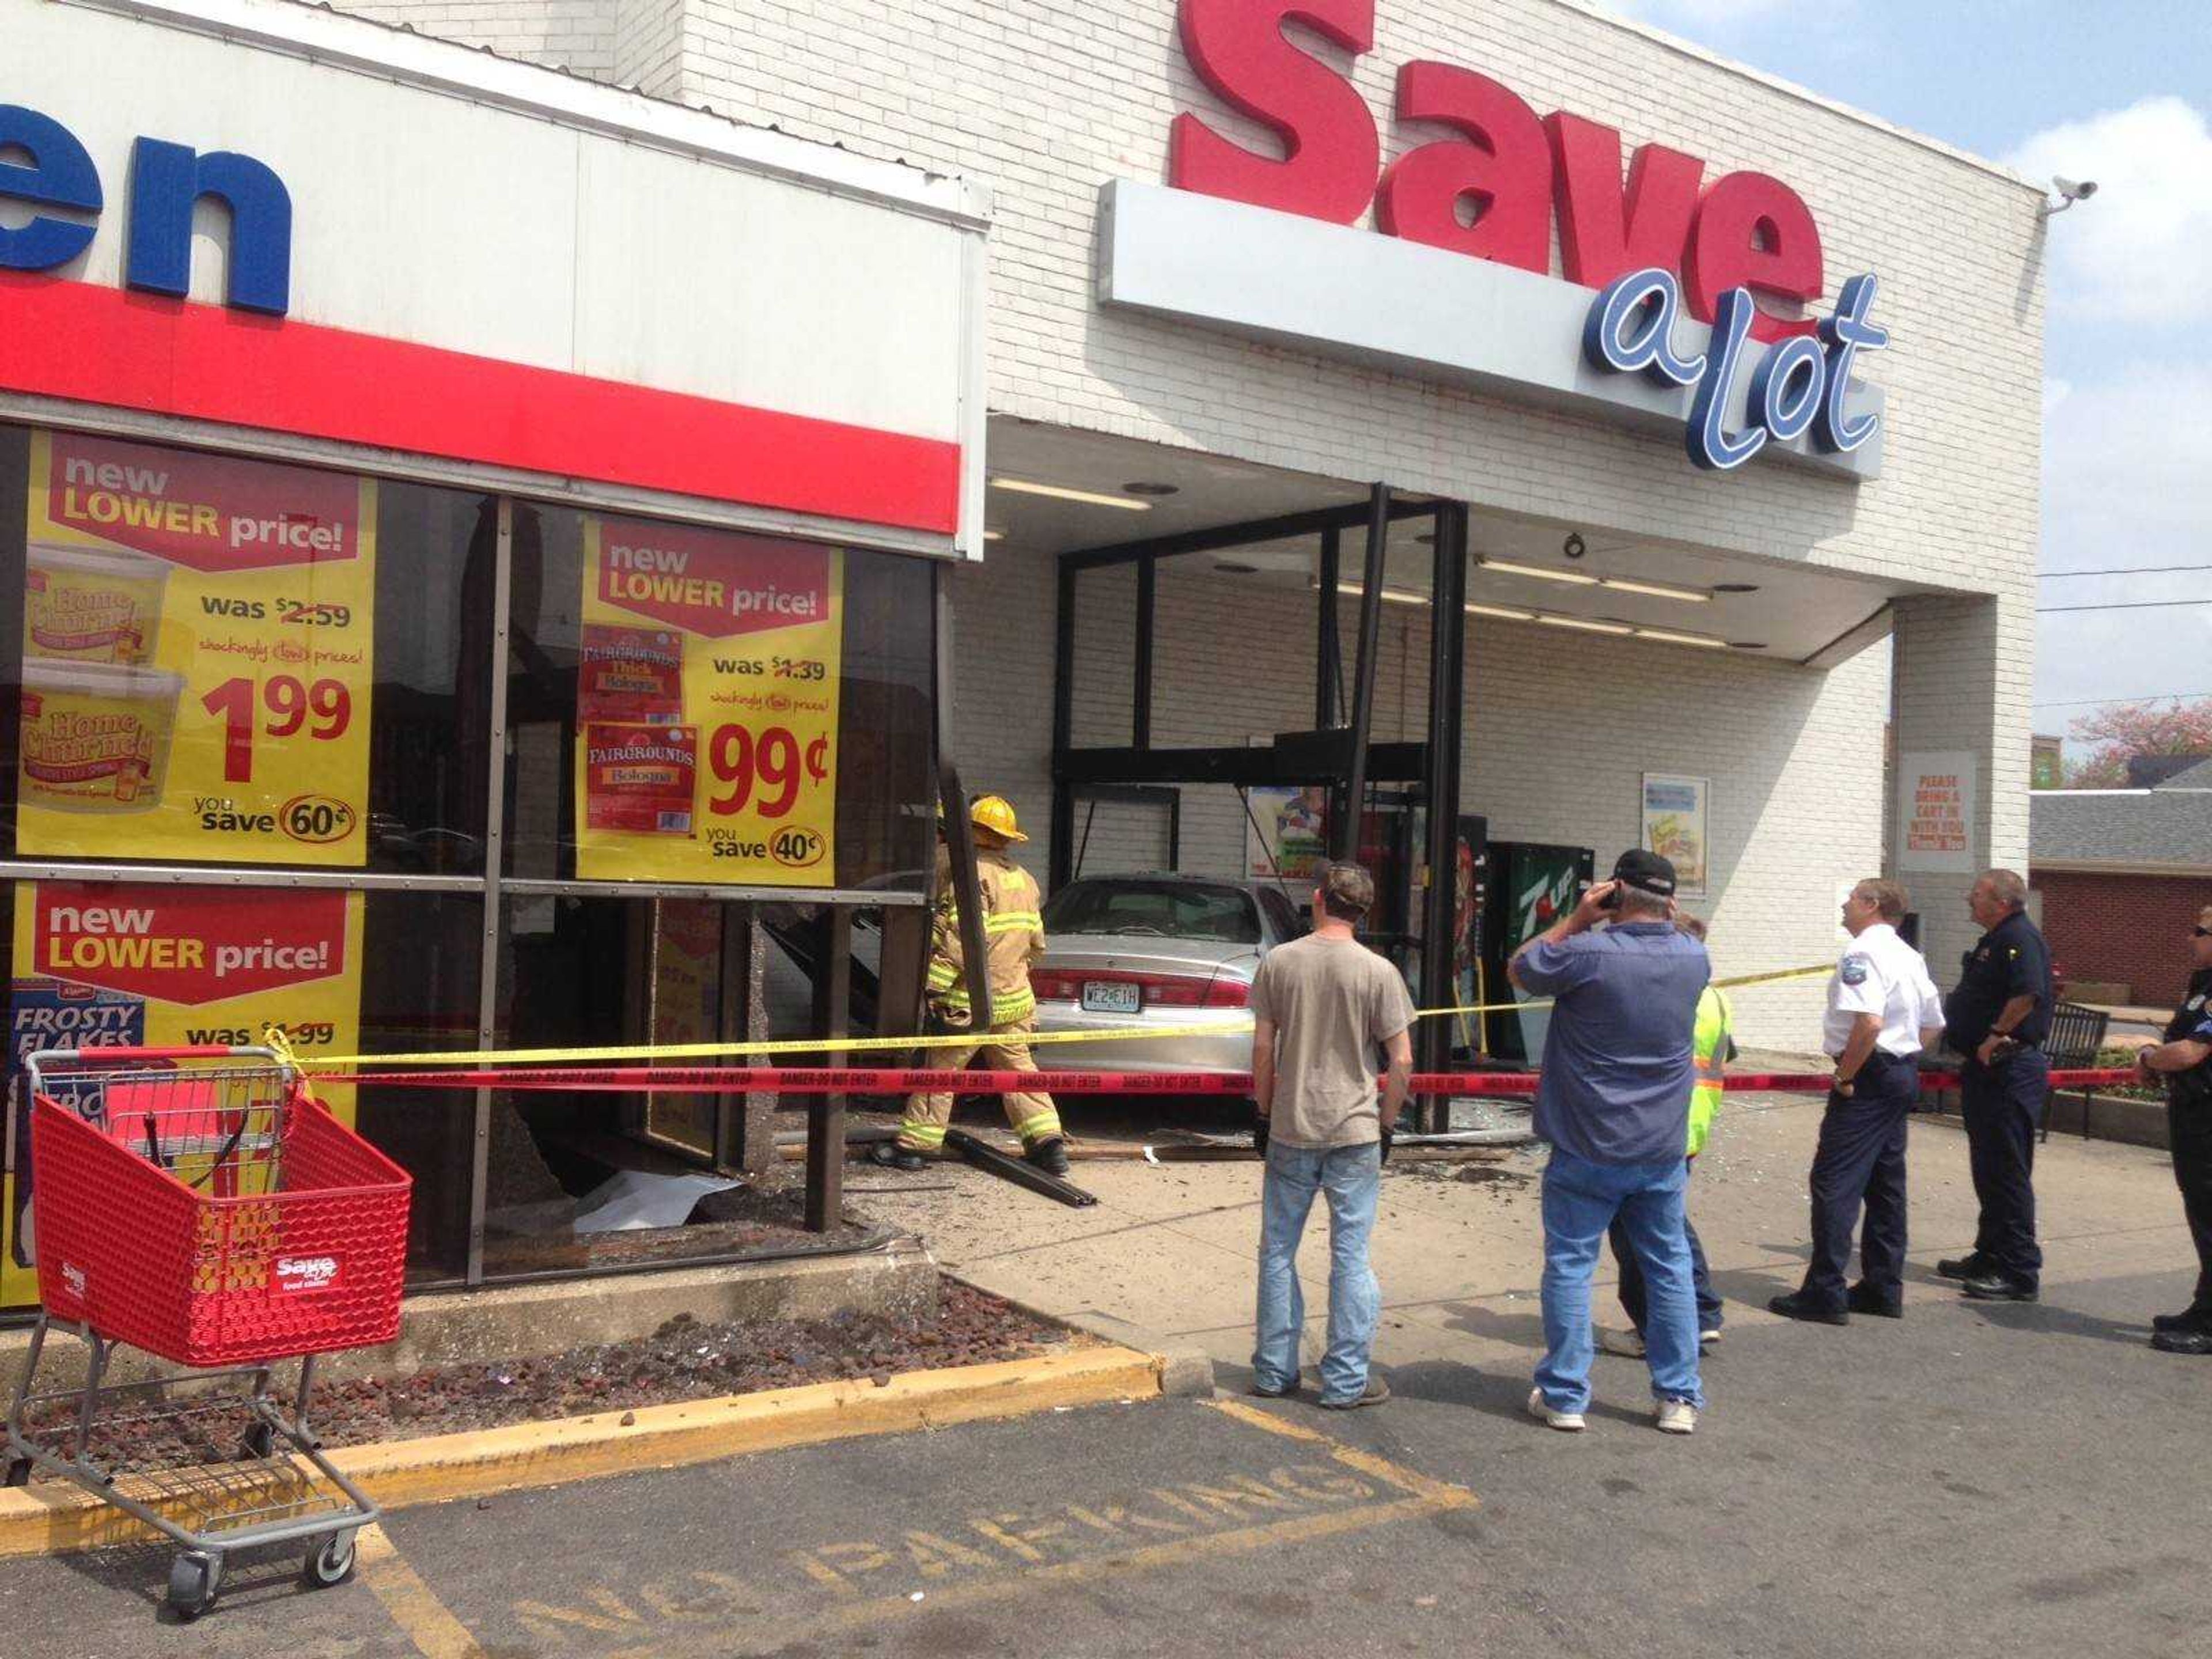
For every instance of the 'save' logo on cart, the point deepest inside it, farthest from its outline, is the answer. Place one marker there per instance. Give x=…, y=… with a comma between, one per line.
x=299, y=1274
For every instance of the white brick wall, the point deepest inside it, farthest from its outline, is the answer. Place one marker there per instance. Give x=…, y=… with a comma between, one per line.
x=578, y=35
x=1961, y=663
x=1047, y=100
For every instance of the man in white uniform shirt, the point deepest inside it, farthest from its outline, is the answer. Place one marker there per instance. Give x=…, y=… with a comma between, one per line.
x=1882, y=1010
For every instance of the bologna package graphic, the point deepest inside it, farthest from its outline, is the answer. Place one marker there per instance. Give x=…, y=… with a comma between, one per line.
x=102, y=963
x=707, y=706
x=198, y=657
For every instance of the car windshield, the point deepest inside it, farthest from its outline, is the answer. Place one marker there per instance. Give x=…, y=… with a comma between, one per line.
x=1161, y=909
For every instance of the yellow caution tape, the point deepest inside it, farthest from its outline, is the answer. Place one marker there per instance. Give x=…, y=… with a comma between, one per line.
x=889, y=1044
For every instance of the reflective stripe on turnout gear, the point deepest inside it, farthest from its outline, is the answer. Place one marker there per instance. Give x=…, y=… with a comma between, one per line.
x=1005, y=1047
x=1013, y=934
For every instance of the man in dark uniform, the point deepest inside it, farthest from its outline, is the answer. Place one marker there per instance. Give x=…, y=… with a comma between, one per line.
x=2184, y=1060
x=1997, y=1018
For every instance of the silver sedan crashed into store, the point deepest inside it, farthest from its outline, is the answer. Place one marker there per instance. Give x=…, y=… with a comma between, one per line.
x=1167, y=955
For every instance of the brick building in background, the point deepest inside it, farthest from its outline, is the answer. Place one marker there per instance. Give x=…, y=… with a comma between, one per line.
x=2122, y=873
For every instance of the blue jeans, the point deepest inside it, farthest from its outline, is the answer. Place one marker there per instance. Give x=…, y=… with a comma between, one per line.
x=1352, y=1176
x=1581, y=1201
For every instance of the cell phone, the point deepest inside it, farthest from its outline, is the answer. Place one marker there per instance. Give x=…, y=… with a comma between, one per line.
x=1612, y=899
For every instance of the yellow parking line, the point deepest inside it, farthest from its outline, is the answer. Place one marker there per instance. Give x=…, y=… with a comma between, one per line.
x=414, y=1606
x=1394, y=1474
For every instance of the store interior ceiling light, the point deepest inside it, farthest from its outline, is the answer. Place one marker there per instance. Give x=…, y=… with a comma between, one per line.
x=1542, y=573
x=1410, y=596
x=1706, y=641
x=1060, y=493
x=1655, y=590
x=1390, y=595
x=994, y=535
x=1585, y=625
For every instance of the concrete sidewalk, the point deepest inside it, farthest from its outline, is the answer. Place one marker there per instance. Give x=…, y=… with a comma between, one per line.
x=1167, y=1253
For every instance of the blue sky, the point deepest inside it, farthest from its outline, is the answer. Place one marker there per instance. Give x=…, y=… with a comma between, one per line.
x=2119, y=91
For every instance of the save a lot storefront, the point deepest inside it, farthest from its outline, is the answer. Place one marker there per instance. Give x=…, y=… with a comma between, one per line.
x=468, y=541
x=1251, y=256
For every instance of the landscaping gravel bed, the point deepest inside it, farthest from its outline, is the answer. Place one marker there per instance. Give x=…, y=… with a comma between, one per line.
x=683, y=1359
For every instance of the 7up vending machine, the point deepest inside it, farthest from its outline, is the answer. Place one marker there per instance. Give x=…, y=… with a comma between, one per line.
x=1530, y=887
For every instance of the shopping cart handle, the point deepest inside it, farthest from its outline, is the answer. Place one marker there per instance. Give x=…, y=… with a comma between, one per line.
x=103, y=1054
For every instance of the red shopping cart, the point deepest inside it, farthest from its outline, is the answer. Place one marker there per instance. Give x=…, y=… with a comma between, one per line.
x=201, y=1205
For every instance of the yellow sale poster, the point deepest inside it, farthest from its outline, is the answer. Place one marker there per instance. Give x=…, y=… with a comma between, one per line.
x=196, y=656
x=707, y=706
x=102, y=964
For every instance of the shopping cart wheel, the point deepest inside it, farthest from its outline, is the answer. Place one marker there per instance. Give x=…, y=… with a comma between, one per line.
x=193, y=1580
x=257, y=1442
x=330, y=1561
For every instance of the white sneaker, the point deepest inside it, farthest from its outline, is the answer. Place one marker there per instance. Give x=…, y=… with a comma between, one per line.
x=1706, y=1339
x=1569, y=1422
x=1676, y=1417
x=1628, y=1343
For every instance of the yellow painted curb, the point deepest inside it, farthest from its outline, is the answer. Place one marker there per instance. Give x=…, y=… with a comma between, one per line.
x=54, y=1518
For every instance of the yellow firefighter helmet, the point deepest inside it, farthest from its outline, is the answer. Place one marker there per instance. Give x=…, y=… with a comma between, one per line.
x=992, y=812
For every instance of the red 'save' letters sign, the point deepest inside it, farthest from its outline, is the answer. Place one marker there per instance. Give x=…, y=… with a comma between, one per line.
x=1517, y=169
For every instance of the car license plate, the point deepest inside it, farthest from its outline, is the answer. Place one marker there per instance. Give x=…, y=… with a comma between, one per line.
x=1106, y=996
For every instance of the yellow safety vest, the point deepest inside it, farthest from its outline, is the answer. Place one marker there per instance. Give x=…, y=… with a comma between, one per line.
x=1710, y=1045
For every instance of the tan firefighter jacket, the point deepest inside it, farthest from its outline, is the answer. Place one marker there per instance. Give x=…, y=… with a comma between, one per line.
x=1013, y=933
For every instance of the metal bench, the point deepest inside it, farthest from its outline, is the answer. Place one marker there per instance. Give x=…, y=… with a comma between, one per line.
x=2077, y=1032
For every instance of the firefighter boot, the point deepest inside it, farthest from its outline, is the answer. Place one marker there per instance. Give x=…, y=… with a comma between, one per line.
x=892, y=1155
x=1050, y=1155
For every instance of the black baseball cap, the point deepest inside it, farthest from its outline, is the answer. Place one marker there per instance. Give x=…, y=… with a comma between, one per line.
x=1646, y=872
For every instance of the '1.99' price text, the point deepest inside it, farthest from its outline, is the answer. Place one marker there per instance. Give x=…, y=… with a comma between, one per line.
x=323, y=708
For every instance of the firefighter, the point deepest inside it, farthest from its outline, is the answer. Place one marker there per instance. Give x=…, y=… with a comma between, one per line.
x=1014, y=936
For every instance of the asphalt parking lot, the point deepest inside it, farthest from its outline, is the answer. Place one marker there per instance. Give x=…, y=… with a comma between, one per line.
x=1974, y=1479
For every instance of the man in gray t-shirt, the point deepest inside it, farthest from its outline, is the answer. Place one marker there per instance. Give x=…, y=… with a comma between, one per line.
x=1321, y=1008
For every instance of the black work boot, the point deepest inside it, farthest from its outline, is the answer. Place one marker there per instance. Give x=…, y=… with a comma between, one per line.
x=1999, y=1287
x=1798, y=1305
x=892, y=1155
x=1050, y=1155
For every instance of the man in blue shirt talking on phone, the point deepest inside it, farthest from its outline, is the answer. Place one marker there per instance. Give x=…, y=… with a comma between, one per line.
x=1613, y=1101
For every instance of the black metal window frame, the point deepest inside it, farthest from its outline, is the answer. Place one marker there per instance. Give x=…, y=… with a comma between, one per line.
x=1338, y=751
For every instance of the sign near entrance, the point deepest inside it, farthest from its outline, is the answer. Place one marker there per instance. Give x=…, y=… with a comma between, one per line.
x=1797, y=384
x=707, y=706
x=1688, y=273
x=1746, y=230
x=1936, y=809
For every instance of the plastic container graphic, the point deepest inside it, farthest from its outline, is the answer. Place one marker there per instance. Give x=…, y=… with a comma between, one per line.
x=90, y=604
x=96, y=736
